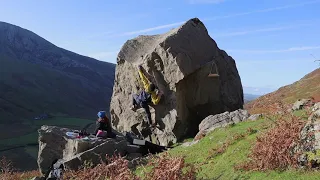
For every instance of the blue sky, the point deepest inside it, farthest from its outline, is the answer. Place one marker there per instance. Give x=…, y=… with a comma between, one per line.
x=270, y=40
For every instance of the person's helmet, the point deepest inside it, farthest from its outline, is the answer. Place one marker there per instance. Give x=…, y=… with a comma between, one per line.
x=101, y=114
x=152, y=87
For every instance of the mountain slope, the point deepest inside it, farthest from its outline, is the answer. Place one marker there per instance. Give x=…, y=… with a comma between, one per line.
x=37, y=76
x=306, y=87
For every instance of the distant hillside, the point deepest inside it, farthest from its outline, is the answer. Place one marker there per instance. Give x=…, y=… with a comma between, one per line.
x=249, y=97
x=37, y=76
x=307, y=87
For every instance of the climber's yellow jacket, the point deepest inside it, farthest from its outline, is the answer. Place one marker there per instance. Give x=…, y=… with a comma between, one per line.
x=146, y=84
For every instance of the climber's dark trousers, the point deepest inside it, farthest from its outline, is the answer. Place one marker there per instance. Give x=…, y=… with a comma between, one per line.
x=144, y=105
x=146, y=108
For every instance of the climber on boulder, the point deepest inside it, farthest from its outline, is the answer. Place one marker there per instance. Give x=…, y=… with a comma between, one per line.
x=146, y=96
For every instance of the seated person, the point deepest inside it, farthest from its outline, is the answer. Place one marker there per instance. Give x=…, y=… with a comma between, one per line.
x=104, y=124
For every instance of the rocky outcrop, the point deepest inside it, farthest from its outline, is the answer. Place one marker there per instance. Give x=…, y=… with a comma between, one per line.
x=178, y=62
x=97, y=154
x=74, y=152
x=55, y=144
x=309, y=144
x=212, y=122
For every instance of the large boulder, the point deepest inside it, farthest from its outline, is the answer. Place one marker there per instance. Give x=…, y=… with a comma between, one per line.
x=178, y=62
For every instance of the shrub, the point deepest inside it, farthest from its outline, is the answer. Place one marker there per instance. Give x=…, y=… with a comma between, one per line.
x=117, y=169
x=166, y=167
x=7, y=171
x=163, y=167
x=275, y=148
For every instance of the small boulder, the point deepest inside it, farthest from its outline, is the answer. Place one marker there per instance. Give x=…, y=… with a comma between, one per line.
x=300, y=104
x=221, y=120
x=255, y=117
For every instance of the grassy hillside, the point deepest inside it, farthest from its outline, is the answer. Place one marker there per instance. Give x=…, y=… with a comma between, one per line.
x=38, y=77
x=306, y=87
x=222, y=165
x=27, y=90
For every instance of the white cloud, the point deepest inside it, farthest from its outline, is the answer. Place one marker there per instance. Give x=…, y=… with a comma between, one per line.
x=206, y=1
x=152, y=29
x=263, y=10
x=302, y=48
x=103, y=55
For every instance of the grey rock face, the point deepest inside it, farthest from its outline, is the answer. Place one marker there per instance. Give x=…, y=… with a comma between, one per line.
x=178, y=62
x=74, y=152
x=97, y=154
x=52, y=141
x=309, y=144
x=212, y=122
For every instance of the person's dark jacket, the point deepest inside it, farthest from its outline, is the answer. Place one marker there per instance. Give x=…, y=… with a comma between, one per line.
x=104, y=124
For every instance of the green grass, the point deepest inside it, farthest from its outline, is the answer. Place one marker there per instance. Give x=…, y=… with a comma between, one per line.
x=22, y=140
x=33, y=136
x=32, y=151
x=222, y=166
x=301, y=113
